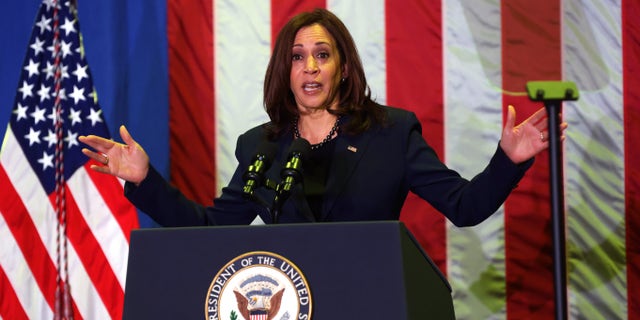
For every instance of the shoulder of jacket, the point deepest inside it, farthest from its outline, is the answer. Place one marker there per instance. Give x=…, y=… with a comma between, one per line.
x=256, y=132
x=395, y=115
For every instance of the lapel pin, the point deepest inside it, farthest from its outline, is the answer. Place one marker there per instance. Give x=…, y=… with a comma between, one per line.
x=352, y=149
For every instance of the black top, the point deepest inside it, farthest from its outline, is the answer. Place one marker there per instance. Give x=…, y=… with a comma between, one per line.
x=316, y=171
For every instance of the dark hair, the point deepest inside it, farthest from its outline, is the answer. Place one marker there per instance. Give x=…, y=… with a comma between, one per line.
x=355, y=95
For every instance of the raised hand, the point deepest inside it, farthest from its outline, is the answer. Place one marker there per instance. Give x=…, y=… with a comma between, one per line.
x=527, y=139
x=127, y=161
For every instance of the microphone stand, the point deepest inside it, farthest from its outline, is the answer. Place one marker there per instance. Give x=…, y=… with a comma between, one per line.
x=282, y=190
x=552, y=93
x=292, y=176
x=278, y=200
x=271, y=185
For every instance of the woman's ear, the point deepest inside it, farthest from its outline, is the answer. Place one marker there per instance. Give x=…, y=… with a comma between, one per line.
x=345, y=71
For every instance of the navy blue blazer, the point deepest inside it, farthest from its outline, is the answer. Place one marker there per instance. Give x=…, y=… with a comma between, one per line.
x=369, y=179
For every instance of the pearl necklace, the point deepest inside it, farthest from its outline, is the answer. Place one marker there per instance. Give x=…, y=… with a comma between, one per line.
x=296, y=133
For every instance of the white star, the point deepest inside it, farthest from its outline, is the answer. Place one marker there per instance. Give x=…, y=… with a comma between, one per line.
x=68, y=26
x=81, y=72
x=46, y=160
x=49, y=69
x=74, y=115
x=37, y=46
x=21, y=112
x=94, y=116
x=43, y=24
x=38, y=115
x=33, y=136
x=49, y=4
x=52, y=116
x=51, y=138
x=32, y=68
x=44, y=93
x=64, y=71
x=63, y=95
x=66, y=48
x=71, y=139
x=26, y=90
x=78, y=94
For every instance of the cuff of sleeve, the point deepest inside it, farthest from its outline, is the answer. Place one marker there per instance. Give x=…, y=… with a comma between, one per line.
x=146, y=186
x=503, y=163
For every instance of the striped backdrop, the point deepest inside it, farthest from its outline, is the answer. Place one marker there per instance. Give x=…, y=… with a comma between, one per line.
x=457, y=64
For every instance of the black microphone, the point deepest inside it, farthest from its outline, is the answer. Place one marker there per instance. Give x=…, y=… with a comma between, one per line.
x=254, y=175
x=291, y=173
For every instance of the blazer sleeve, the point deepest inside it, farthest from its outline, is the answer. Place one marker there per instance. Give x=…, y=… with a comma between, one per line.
x=167, y=206
x=464, y=202
x=164, y=203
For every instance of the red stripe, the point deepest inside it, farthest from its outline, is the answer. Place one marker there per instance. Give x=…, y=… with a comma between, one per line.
x=191, y=98
x=10, y=307
x=283, y=10
x=631, y=59
x=419, y=52
x=111, y=191
x=93, y=259
x=26, y=236
x=528, y=26
x=40, y=263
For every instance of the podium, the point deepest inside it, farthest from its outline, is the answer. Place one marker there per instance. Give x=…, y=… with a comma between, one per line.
x=353, y=270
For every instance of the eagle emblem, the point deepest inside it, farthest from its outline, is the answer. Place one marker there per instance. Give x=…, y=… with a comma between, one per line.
x=259, y=298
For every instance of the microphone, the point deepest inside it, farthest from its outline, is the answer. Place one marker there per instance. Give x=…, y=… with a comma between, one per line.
x=291, y=173
x=254, y=175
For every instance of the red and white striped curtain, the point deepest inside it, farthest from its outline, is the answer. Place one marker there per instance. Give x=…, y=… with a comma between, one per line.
x=457, y=64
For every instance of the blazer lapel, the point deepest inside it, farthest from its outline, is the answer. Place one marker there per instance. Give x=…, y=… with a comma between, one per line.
x=349, y=151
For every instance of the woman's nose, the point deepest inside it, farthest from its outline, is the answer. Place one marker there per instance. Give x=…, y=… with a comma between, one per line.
x=311, y=65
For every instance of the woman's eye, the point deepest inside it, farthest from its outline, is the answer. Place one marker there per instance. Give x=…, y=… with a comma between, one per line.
x=323, y=55
x=296, y=57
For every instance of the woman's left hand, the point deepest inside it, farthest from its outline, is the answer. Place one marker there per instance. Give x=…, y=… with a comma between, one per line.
x=524, y=141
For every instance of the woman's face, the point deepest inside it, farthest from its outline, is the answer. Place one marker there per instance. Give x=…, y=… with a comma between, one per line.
x=315, y=68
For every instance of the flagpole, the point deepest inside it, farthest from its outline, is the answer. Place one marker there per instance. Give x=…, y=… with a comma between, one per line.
x=552, y=93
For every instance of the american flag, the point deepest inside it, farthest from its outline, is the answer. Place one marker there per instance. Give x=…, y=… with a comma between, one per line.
x=61, y=225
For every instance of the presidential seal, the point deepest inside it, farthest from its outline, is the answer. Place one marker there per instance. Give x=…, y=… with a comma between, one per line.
x=258, y=285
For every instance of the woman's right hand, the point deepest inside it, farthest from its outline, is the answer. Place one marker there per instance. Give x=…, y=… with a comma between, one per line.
x=127, y=161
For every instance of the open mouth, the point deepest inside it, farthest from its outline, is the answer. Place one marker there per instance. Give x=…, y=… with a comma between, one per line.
x=311, y=86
